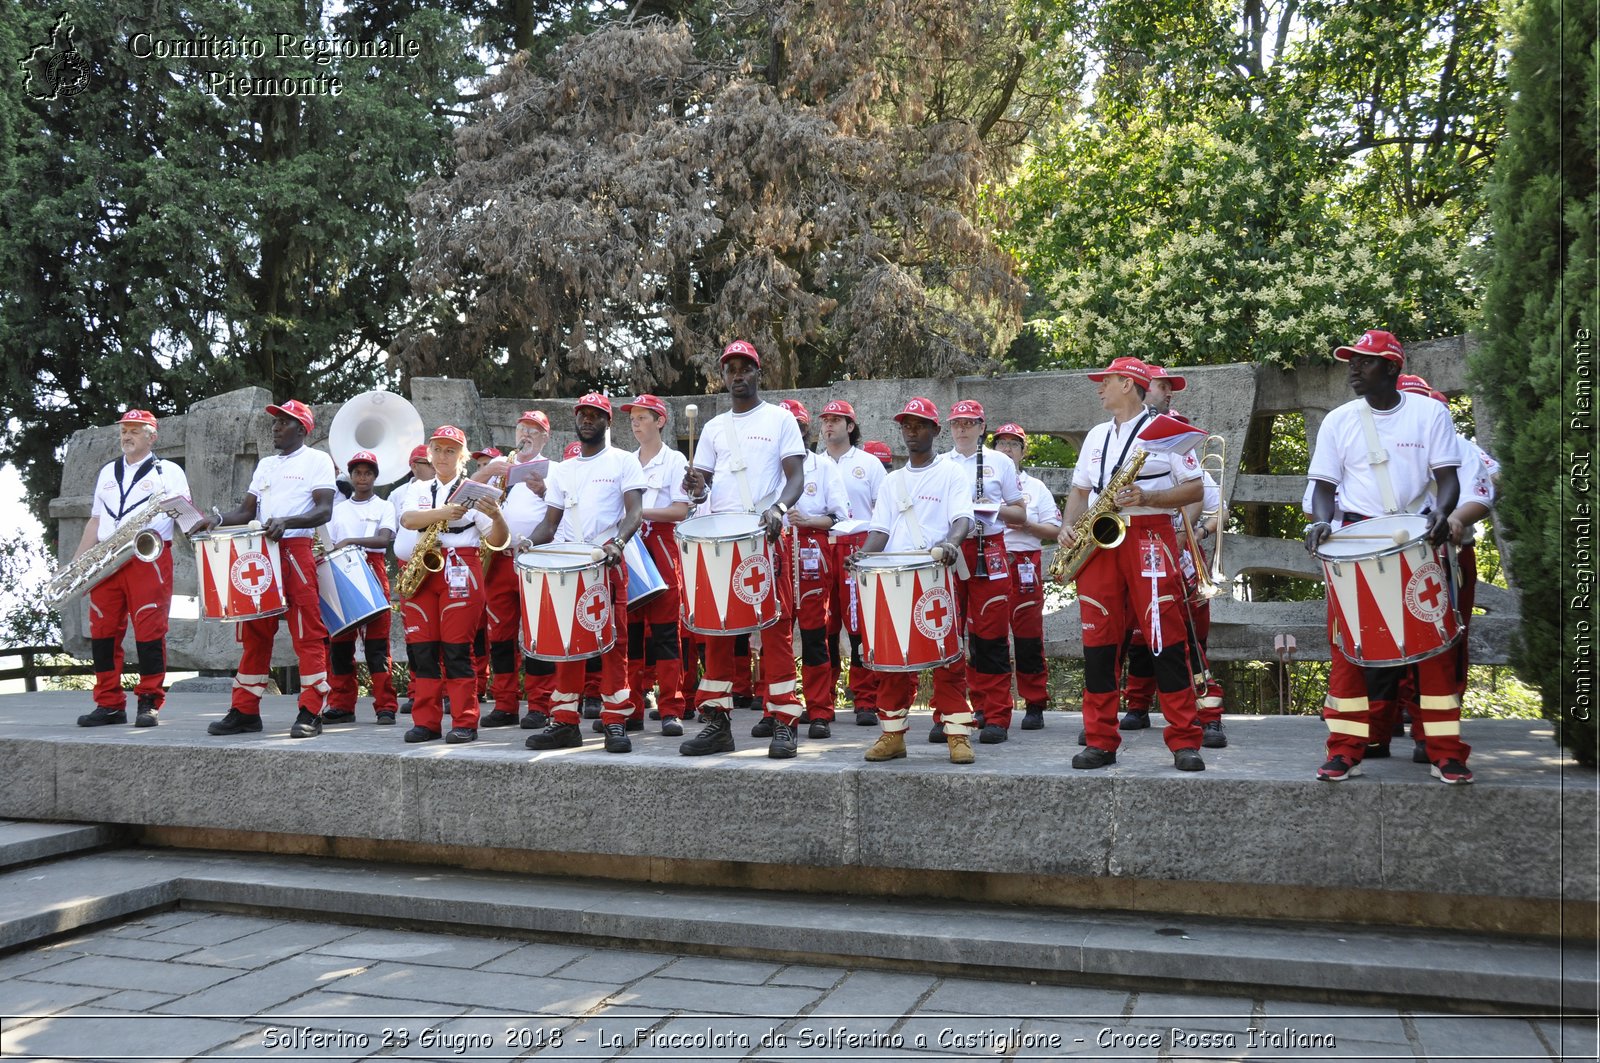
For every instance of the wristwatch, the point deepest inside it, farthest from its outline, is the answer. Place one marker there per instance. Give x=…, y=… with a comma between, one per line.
x=783, y=510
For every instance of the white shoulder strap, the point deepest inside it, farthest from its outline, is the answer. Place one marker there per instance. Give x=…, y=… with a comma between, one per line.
x=1378, y=459
x=908, y=513
x=738, y=465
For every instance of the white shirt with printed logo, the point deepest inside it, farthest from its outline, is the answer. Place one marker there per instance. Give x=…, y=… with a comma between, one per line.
x=823, y=491
x=863, y=477
x=1108, y=441
x=940, y=494
x=400, y=501
x=1042, y=509
x=464, y=533
x=283, y=485
x=361, y=520
x=759, y=439
x=663, y=478
x=162, y=481
x=1418, y=437
x=589, y=493
x=999, y=483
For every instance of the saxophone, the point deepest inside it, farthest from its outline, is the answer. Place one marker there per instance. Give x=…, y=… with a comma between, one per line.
x=105, y=557
x=1101, y=527
x=426, y=557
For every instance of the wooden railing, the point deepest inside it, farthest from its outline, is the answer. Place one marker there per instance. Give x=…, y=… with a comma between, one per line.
x=31, y=670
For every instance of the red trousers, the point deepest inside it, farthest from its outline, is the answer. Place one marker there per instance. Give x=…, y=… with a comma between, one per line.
x=502, y=625
x=844, y=614
x=1027, y=627
x=1140, y=692
x=141, y=591
x=1114, y=592
x=897, y=689
x=720, y=682
x=818, y=580
x=572, y=677
x=984, y=599
x=654, y=642
x=439, y=633
x=306, y=631
x=375, y=642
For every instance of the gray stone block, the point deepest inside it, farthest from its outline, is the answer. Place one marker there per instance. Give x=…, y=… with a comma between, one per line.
x=432, y=950
x=719, y=969
x=23, y=843
x=28, y=999
x=802, y=974
x=872, y=993
x=337, y=1010
x=130, y=1036
x=502, y=992
x=535, y=959
x=210, y=929
x=269, y=945
x=1382, y=1025
x=1016, y=999
x=1481, y=1035
x=674, y=994
x=264, y=987
x=115, y=972
x=613, y=966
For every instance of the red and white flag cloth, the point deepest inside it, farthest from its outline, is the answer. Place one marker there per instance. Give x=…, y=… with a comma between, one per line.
x=1166, y=434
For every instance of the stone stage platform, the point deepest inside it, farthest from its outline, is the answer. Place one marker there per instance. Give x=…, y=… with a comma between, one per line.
x=1254, y=836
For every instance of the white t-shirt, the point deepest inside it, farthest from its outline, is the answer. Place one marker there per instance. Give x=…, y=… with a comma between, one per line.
x=756, y=441
x=589, y=491
x=999, y=483
x=162, y=481
x=863, y=477
x=1104, y=449
x=466, y=532
x=399, y=502
x=361, y=520
x=940, y=494
x=1042, y=509
x=663, y=478
x=1418, y=437
x=283, y=484
x=823, y=491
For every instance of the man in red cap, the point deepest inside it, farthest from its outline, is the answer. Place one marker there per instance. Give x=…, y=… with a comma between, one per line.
x=863, y=475
x=367, y=521
x=595, y=498
x=923, y=506
x=747, y=458
x=443, y=614
x=138, y=590
x=984, y=590
x=1378, y=454
x=291, y=494
x=880, y=450
x=1024, y=545
x=653, y=638
x=1140, y=575
x=399, y=501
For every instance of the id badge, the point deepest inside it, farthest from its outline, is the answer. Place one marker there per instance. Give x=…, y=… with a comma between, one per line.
x=1027, y=575
x=811, y=562
x=1152, y=559
x=457, y=579
x=994, y=563
x=1186, y=564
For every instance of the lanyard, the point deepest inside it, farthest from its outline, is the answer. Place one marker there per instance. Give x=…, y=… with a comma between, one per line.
x=116, y=470
x=1143, y=417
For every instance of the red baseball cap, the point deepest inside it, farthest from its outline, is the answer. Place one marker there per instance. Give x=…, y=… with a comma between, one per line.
x=1131, y=368
x=1413, y=383
x=1373, y=341
x=1441, y=396
x=486, y=452
x=420, y=453
x=361, y=457
x=1011, y=428
x=646, y=402
x=296, y=409
x=879, y=450
x=574, y=448
x=798, y=408
x=1176, y=382
x=535, y=417
x=839, y=408
x=919, y=407
x=449, y=433
x=970, y=409
x=144, y=417
x=595, y=401
x=741, y=348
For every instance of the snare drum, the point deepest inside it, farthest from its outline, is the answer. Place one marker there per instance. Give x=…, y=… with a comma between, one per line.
x=644, y=578
x=566, y=603
x=240, y=575
x=348, y=591
x=1390, y=603
x=908, y=612
x=728, y=574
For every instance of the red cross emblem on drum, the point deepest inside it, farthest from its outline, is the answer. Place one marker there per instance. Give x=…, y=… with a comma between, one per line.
x=750, y=579
x=934, y=614
x=1426, y=596
x=594, y=608
x=251, y=574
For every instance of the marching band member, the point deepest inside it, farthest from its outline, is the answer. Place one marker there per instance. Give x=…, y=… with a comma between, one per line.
x=863, y=476
x=483, y=461
x=291, y=494
x=138, y=590
x=1024, y=541
x=1140, y=574
x=442, y=616
x=367, y=521
x=749, y=454
x=1376, y=455
x=880, y=450
x=984, y=591
x=653, y=637
x=596, y=495
x=926, y=503
x=822, y=504
x=405, y=538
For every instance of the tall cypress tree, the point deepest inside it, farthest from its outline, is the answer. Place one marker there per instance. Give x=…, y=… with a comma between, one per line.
x=1538, y=354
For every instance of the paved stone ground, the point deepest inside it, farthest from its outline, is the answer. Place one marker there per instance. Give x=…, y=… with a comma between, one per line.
x=192, y=984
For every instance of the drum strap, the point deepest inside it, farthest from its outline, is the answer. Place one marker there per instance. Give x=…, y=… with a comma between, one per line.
x=737, y=464
x=1378, y=459
x=909, y=514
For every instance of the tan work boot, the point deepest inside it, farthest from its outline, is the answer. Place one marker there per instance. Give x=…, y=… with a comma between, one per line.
x=960, y=749
x=891, y=745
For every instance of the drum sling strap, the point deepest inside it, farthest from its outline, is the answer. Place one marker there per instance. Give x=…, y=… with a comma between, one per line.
x=737, y=465
x=909, y=514
x=1378, y=459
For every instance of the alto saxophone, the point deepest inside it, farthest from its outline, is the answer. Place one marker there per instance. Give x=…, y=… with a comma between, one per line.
x=426, y=557
x=1101, y=527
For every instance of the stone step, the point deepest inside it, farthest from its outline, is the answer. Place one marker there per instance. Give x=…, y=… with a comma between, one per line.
x=1442, y=969
x=28, y=843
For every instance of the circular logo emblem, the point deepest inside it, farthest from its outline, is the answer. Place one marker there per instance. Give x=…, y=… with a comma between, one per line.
x=251, y=574
x=1427, y=598
x=859, y=473
x=811, y=489
x=594, y=608
x=752, y=579
x=935, y=613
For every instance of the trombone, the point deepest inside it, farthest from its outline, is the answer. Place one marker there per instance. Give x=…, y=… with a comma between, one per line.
x=1213, y=462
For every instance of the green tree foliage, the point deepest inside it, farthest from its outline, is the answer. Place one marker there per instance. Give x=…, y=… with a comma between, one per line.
x=164, y=237
x=1255, y=180
x=1540, y=304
